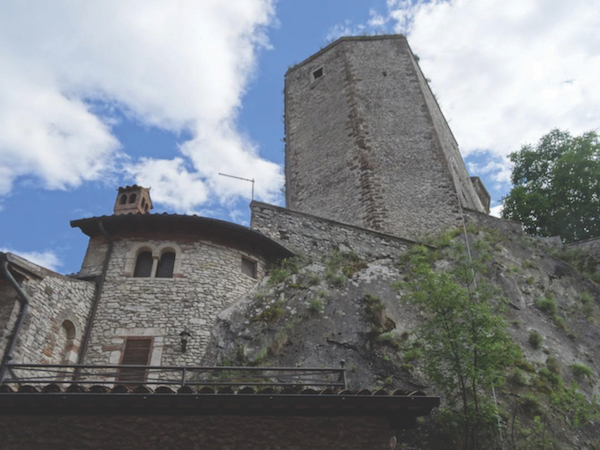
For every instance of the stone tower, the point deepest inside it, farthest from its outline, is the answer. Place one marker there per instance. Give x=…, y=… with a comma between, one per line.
x=133, y=200
x=367, y=144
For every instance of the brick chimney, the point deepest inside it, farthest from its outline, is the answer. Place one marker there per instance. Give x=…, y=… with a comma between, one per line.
x=133, y=200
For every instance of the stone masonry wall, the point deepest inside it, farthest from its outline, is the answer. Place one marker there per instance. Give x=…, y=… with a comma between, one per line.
x=9, y=308
x=447, y=145
x=315, y=236
x=487, y=221
x=114, y=432
x=208, y=278
x=94, y=257
x=53, y=300
x=366, y=143
x=592, y=248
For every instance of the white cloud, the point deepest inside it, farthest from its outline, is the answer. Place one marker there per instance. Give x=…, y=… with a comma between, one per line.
x=498, y=169
x=496, y=211
x=508, y=72
x=47, y=259
x=376, y=20
x=172, y=184
x=180, y=66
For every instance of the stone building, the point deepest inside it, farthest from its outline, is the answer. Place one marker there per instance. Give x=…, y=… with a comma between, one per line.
x=371, y=166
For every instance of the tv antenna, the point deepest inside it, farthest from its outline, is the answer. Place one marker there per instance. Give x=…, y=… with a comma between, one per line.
x=240, y=178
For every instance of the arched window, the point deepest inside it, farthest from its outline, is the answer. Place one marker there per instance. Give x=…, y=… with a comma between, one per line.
x=143, y=202
x=143, y=265
x=123, y=199
x=68, y=333
x=132, y=198
x=166, y=265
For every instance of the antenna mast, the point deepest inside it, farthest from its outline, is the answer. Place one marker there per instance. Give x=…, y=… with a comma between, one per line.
x=240, y=178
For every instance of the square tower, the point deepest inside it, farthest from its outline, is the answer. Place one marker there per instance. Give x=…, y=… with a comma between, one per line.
x=367, y=144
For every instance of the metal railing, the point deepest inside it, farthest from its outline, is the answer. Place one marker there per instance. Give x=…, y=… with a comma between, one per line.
x=66, y=374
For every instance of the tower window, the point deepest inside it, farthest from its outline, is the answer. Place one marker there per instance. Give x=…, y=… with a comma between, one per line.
x=317, y=73
x=143, y=265
x=132, y=198
x=249, y=267
x=123, y=199
x=166, y=265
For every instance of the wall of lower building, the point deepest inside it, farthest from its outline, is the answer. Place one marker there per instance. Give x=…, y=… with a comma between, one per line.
x=94, y=257
x=9, y=308
x=316, y=236
x=207, y=278
x=193, y=432
x=484, y=220
x=55, y=321
x=591, y=248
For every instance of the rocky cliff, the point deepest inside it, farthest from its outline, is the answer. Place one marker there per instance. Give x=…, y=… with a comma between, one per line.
x=348, y=309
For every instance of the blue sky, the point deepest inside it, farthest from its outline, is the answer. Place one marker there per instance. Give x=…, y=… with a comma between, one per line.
x=97, y=95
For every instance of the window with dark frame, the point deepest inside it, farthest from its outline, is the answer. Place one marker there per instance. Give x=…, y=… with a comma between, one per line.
x=143, y=265
x=248, y=267
x=317, y=73
x=166, y=263
x=136, y=353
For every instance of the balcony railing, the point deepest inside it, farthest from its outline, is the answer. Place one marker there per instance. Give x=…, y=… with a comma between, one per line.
x=64, y=374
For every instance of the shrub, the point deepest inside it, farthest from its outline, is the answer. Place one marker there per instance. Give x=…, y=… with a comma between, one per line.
x=531, y=404
x=352, y=264
x=261, y=356
x=535, y=339
x=413, y=354
x=341, y=266
x=546, y=304
x=547, y=376
x=524, y=365
x=278, y=342
x=312, y=279
x=519, y=377
x=315, y=306
x=559, y=322
x=586, y=298
x=335, y=279
x=574, y=406
x=408, y=368
x=582, y=371
x=552, y=365
x=286, y=267
x=375, y=310
x=272, y=313
x=388, y=339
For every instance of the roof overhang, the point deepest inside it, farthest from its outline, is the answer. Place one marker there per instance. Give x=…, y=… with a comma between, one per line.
x=399, y=409
x=226, y=232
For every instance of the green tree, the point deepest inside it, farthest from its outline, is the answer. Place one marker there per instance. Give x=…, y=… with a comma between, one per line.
x=466, y=347
x=557, y=186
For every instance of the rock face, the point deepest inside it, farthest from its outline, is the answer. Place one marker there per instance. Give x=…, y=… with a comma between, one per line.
x=320, y=316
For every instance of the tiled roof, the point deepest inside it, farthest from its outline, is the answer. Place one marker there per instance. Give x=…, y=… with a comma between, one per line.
x=130, y=188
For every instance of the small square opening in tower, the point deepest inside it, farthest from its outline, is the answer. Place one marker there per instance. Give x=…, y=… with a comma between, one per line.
x=317, y=73
x=248, y=267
